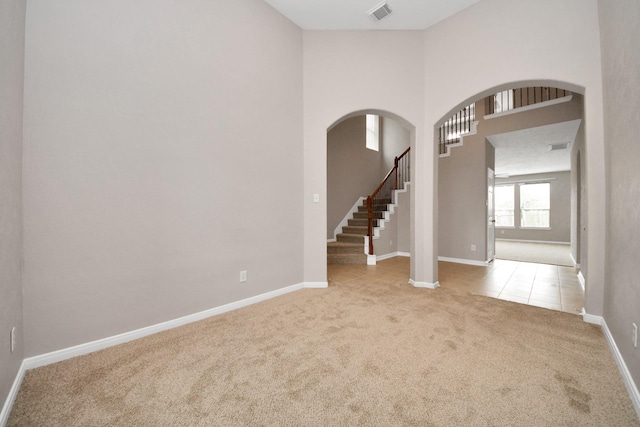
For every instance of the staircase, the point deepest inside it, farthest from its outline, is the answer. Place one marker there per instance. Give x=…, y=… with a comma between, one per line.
x=349, y=247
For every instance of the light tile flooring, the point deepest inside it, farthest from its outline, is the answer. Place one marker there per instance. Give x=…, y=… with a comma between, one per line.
x=542, y=285
x=548, y=286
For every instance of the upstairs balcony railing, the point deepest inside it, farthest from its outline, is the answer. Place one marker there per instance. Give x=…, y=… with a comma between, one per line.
x=513, y=99
x=461, y=123
x=457, y=125
x=394, y=180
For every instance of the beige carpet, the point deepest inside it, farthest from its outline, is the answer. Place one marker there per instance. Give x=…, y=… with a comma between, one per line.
x=540, y=253
x=369, y=350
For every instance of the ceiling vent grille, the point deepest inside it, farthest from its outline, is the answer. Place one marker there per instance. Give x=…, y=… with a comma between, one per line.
x=380, y=12
x=555, y=147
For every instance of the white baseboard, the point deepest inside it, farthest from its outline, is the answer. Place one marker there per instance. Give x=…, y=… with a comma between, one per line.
x=463, y=261
x=427, y=285
x=632, y=389
x=392, y=255
x=13, y=393
x=573, y=260
x=533, y=241
x=590, y=318
x=581, y=280
x=79, y=350
x=315, y=285
x=90, y=347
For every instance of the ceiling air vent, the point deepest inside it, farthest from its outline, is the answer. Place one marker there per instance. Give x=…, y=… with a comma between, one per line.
x=380, y=12
x=554, y=147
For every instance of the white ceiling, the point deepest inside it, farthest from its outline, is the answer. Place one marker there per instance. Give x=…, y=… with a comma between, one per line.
x=527, y=151
x=353, y=14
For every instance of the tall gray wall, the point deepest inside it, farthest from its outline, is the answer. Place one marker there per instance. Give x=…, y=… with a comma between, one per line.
x=12, y=22
x=162, y=156
x=621, y=89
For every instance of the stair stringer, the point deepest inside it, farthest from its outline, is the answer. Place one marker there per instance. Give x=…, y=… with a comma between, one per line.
x=391, y=209
x=448, y=147
x=345, y=220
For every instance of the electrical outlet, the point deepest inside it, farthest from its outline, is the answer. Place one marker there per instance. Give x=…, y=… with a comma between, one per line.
x=473, y=247
x=390, y=242
x=13, y=339
x=635, y=335
x=243, y=276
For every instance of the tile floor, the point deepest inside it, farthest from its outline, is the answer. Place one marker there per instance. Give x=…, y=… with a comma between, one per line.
x=542, y=285
x=549, y=286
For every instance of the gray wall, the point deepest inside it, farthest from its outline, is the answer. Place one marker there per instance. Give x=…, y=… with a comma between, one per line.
x=579, y=201
x=354, y=171
x=12, y=21
x=462, y=196
x=620, y=69
x=462, y=178
x=395, y=236
x=560, y=217
x=162, y=155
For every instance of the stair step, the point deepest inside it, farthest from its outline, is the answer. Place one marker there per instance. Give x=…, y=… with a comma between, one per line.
x=355, y=230
x=347, y=259
x=345, y=248
x=361, y=222
x=365, y=215
x=376, y=208
x=350, y=238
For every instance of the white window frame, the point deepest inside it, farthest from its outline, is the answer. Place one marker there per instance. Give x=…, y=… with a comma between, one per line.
x=373, y=132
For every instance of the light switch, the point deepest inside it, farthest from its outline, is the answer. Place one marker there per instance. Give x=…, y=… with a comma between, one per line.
x=316, y=198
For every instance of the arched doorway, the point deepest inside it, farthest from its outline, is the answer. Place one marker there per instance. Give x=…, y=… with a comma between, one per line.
x=363, y=148
x=462, y=181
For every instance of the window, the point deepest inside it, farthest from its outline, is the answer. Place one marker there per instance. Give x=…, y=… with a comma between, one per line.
x=535, y=205
x=373, y=132
x=503, y=101
x=504, y=203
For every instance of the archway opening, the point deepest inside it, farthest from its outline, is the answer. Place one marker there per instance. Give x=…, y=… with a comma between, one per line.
x=356, y=169
x=512, y=136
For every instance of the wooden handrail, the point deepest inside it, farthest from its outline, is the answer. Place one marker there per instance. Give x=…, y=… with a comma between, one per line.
x=400, y=166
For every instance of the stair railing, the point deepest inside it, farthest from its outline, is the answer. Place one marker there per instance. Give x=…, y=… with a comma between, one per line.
x=395, y=178
x=512, y=99
x=456, y=126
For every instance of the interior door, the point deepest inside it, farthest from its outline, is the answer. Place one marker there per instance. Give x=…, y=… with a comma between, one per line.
x=491, y=220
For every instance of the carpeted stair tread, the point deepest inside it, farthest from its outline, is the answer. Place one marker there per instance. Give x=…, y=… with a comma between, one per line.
x=352, y=238
x=347, y=258
x=355, y=230
x=345, y=248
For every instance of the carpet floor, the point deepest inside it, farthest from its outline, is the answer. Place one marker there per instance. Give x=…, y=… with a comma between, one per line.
x=540, y=253
x=369, y=350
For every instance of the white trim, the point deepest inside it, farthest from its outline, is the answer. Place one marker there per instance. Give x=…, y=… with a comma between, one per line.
x=315, y=285
x=448, y=147
x=427, y=285
x=347, y=217
x=581, y=280
x=332, y=240
x=371, y=259
x=590, y=318
x=632, y=389
x=392, y=255
x=464, y=261
x=575, y=264
x=81, y=349
x=530, y=107
x=13, y=393
x=534, y=241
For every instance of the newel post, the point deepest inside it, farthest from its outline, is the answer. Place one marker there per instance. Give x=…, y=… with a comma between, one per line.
x=370, y=223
